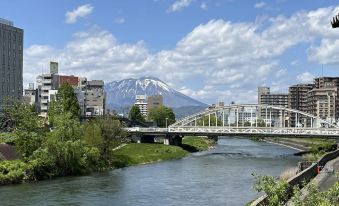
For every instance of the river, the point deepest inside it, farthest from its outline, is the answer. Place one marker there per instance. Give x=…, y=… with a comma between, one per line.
x=221, y=176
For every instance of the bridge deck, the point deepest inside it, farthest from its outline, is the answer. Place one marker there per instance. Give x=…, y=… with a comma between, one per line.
x=240, y=131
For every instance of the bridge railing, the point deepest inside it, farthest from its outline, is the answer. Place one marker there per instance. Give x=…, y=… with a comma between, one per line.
x=257, y=130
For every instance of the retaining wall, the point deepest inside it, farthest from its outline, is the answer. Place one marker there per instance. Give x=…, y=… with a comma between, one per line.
x=304, y=176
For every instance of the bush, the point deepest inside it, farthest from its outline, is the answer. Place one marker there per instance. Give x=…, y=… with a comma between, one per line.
x=276, y=190
x=12, y=172
x=8, y=138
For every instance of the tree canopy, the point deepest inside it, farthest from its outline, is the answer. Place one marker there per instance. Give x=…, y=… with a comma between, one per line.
x=135, y=114
x=160, y=114
x=65, y=102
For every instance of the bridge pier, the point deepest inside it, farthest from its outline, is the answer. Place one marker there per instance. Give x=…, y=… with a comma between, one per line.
x=173, y=140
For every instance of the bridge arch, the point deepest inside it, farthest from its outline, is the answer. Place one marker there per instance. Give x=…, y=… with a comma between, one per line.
x=253, y=115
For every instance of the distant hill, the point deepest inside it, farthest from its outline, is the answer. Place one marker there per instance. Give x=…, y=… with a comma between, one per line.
x=121, y=94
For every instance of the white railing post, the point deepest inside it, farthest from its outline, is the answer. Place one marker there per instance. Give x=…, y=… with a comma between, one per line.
x=223, y=118
x=216, y=119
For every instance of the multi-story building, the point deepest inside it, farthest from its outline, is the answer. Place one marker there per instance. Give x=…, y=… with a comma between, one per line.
x=47, y=85
x=11, y=58
x=298, y=100
x=30, y=95
x=322, y=102
x=154, y=101
x=142, y=104
x=95, y=98
x=265, y=97
x=323, y=83
x=261, y=92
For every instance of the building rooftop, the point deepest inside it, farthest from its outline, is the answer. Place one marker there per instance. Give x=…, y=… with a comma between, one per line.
x=6, y=22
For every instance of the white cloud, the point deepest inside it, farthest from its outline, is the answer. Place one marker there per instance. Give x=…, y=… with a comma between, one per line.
x=204, y=6
x=281, y=73
x=305, y=77
x=80, y=12
x=294, y=63
x=119, y=20
x=229, y=60
x=179, y=5
x=260, y=5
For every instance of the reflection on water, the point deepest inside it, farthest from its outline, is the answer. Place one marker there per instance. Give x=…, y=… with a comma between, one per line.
x=221, y=176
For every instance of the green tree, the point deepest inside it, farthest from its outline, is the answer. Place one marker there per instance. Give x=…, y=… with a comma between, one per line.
x=28, y=127
x=261, y=123
x=276, y=190
x=135, y=114
x=162, y=114
x=65, y=145
x=104, y=133
x=65, y=102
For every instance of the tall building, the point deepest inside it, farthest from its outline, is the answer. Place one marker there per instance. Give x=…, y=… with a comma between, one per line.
x=298, y=100
x=324, y=83
x=142, y=104
x=11, y=58
x=154, y=101
x=261, y=92
x=322, y=102
x=95, y=98
x=265, y=97
x=47, y=85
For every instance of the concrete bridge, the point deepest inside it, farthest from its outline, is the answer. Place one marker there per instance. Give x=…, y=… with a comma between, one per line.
x=244, y=120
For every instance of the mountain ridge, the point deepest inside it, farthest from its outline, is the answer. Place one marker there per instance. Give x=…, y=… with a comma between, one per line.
x=122, y=93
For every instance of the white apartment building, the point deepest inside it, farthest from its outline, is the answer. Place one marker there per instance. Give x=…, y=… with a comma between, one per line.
x=141, y=102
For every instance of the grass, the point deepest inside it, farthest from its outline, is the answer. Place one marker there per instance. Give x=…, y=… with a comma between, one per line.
x=288, y=173
x=142, y=153
x=198, y=143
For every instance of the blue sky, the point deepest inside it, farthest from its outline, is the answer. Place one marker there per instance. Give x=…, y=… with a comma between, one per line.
x=212, y=50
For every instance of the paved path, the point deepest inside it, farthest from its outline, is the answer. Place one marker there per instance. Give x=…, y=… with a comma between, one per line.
x=118, y=147
x=329, y=175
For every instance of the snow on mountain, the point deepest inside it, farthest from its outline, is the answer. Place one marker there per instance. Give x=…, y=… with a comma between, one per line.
x=122, y=93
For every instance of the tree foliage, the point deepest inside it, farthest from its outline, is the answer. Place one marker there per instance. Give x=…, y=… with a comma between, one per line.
x=160, y=114
x=65, y=102
x=104, y=133
x=276, y=190
x=135, y=114
x=28, y=128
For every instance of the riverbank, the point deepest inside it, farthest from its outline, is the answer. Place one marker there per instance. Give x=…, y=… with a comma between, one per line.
x=142, y=153
x=310, y=148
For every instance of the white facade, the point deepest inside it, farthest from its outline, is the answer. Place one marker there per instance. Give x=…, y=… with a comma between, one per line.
x=142, y=104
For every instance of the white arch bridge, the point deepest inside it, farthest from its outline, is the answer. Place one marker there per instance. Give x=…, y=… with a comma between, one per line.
x=248, y=120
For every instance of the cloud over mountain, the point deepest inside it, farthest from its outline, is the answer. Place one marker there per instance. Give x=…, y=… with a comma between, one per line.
x=226, y=60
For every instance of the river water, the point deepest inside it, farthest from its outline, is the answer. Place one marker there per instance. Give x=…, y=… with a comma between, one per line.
x=221, y=176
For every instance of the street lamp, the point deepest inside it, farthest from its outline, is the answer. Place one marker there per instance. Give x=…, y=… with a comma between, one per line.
x=166, y=121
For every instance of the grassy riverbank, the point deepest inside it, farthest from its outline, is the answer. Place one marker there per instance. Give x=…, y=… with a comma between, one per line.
x=142, y=153
x=198, y=143
x=313, y=148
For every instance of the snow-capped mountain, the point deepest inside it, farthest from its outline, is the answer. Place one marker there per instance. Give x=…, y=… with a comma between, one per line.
x=122, y=93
